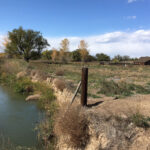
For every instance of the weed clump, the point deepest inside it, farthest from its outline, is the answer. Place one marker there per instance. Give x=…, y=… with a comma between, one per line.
x=59, y=73
x=24, y=86
x=73, y=125
x=60, y=84
x=140, y=120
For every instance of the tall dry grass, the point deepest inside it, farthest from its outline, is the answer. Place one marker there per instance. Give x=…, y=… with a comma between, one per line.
x=12, y=66
x=72, y=123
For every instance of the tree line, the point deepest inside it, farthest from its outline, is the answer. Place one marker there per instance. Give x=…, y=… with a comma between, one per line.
x=30, y=44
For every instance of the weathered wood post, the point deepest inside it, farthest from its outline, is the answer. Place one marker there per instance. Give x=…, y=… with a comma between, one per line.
x=84, y=86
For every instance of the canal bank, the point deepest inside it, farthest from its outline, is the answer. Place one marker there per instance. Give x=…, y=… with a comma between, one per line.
x=19, y=125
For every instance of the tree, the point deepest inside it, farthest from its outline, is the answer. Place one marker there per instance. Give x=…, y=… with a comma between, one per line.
x=83, y=50
x=102, y=57
x=126, y=58
x=64, y=49
x=118, y=57
x=54, y=54
x=91, y=58
x=24, y=42
x=76, y=56
x=47, y=54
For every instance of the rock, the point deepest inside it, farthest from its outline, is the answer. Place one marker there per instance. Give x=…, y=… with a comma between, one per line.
x=33, y=97
x=21, y=74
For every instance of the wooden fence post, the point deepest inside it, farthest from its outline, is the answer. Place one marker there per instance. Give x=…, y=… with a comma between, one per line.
x=84, y=86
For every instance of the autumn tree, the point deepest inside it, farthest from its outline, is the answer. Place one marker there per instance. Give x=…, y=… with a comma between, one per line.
x=25, y=43
x=83, y=50
x=64, y=48
x=54, y=54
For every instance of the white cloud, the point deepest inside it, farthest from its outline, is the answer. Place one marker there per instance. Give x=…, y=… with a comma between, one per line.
x=134, y=44
x=1, y=41
x=131, y=17
x=131, y=1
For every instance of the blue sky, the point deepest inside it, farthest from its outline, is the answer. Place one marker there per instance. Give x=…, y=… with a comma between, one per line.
x=57, y=19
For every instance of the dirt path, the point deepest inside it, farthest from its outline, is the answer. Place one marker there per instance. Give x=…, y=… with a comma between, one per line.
x=127, y=105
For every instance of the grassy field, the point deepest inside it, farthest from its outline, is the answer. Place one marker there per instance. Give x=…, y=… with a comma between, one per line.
x=103, y=80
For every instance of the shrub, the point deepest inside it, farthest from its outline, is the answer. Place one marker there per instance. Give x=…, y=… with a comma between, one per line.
x=60, y=84
x=59, y=73
x=139, y=120
x=24, y=85
x=73, y=124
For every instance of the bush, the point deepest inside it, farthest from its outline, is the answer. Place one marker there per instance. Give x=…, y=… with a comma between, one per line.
x=60, y=84
x=59, y=73
x=73, y=124
x=139, y=120
x=24, y=86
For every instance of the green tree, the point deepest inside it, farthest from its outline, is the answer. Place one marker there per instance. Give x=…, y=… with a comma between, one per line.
x=102, y=57
x=126, y=58
x=47, y=54
x=76, y=56
x=91, y=58
x=118, y=57
x=24, y=43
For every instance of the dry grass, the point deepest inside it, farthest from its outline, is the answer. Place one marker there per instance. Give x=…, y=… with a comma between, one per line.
x=60, y=84
x=59, y=73
x=12, y=66
x=72, y=124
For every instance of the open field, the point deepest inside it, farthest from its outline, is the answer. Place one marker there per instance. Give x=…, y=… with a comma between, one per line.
x=104, y=80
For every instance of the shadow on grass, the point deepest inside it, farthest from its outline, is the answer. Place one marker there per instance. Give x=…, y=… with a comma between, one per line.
x=94, y=104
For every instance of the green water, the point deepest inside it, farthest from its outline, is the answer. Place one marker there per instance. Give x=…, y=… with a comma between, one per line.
x=18, y=118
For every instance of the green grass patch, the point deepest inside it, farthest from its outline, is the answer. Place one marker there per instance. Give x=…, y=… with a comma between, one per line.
x=140, y=121
x=111, y=88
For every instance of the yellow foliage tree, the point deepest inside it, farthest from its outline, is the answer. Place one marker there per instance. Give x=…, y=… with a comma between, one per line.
x=83, y=50
x=54, y=54
x=64, y=49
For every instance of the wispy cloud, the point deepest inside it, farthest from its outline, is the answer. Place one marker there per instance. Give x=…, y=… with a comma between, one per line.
x=131, y=17
x=131, y=1
x=134, y=44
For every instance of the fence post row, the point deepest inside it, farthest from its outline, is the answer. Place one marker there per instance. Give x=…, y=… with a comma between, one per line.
x=84, y=86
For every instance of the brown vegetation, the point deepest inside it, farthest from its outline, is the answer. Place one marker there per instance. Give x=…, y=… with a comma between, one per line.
x=60, y=84
x=59, y=73
x=73, y=125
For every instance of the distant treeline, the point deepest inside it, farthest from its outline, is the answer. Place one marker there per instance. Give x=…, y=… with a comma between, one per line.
x=30, y=44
